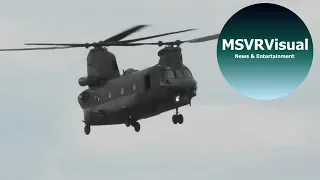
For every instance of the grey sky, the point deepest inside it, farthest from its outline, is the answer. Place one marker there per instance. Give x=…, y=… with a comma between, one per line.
x=237, y=138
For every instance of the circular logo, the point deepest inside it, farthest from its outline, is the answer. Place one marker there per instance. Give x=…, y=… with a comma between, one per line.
x=265, y=51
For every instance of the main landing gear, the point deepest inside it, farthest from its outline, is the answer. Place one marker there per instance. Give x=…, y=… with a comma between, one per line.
x=134, y=124
x=87, y=129
x=177, y=118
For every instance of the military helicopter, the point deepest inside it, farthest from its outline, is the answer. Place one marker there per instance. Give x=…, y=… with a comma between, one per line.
x=112, y=98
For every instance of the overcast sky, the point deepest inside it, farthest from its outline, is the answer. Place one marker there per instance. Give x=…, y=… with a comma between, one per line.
x=225, y=135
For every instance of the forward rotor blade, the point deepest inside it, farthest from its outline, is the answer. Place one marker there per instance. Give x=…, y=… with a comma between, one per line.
x=124, y=34
x=203, y=39
x=59, y=44
x=32, y=49
x=196, y=40
x=155, y=36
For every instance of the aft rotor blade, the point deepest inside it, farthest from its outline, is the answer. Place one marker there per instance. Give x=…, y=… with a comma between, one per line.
x=203, y=39
x=155, y=36
x=124, y=34
x=127, y=44
x=114, y=38
x=32, y=49
x=119, y=43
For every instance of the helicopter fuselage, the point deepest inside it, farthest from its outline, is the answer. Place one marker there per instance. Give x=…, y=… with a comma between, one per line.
x=112, y=98
x=137, y=95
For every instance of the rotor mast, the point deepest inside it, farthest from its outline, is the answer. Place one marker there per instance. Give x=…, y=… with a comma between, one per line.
x=170, y=56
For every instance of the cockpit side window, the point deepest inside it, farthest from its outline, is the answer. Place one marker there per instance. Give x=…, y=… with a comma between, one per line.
x=187, y=73
x=168, y=74
x=179, y=74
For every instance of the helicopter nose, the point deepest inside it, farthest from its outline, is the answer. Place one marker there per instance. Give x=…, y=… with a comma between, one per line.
x=185, y=85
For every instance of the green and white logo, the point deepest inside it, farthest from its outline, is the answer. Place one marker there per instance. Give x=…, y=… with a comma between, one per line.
x=265, y=51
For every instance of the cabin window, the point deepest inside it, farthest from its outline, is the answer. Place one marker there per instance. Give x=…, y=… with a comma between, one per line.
x=122, y=91
x=109, y=94
x=147, y=82
x=168, y=74
x=134, y=86
x=187, y=73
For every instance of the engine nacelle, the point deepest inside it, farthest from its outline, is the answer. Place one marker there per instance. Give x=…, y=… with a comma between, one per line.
x=83, y=81
x=89, y=81
x=129, y=71
x=84, y=97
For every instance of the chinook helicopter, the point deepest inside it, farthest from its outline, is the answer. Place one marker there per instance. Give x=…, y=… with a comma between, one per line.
x=112, y=98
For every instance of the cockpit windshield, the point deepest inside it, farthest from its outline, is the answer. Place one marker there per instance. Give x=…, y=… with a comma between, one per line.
x=187, y=73
x=183, y=73
x=179, y=74
x=168, y=74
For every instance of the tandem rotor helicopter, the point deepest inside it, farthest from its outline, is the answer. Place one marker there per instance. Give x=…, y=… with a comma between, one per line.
x=112, y=98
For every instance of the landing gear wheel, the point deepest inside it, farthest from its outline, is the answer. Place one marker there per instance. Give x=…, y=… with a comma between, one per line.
x=87, y=129
x=127, y=123
x=175, y=119
x=180, y=118
x=136, y=126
